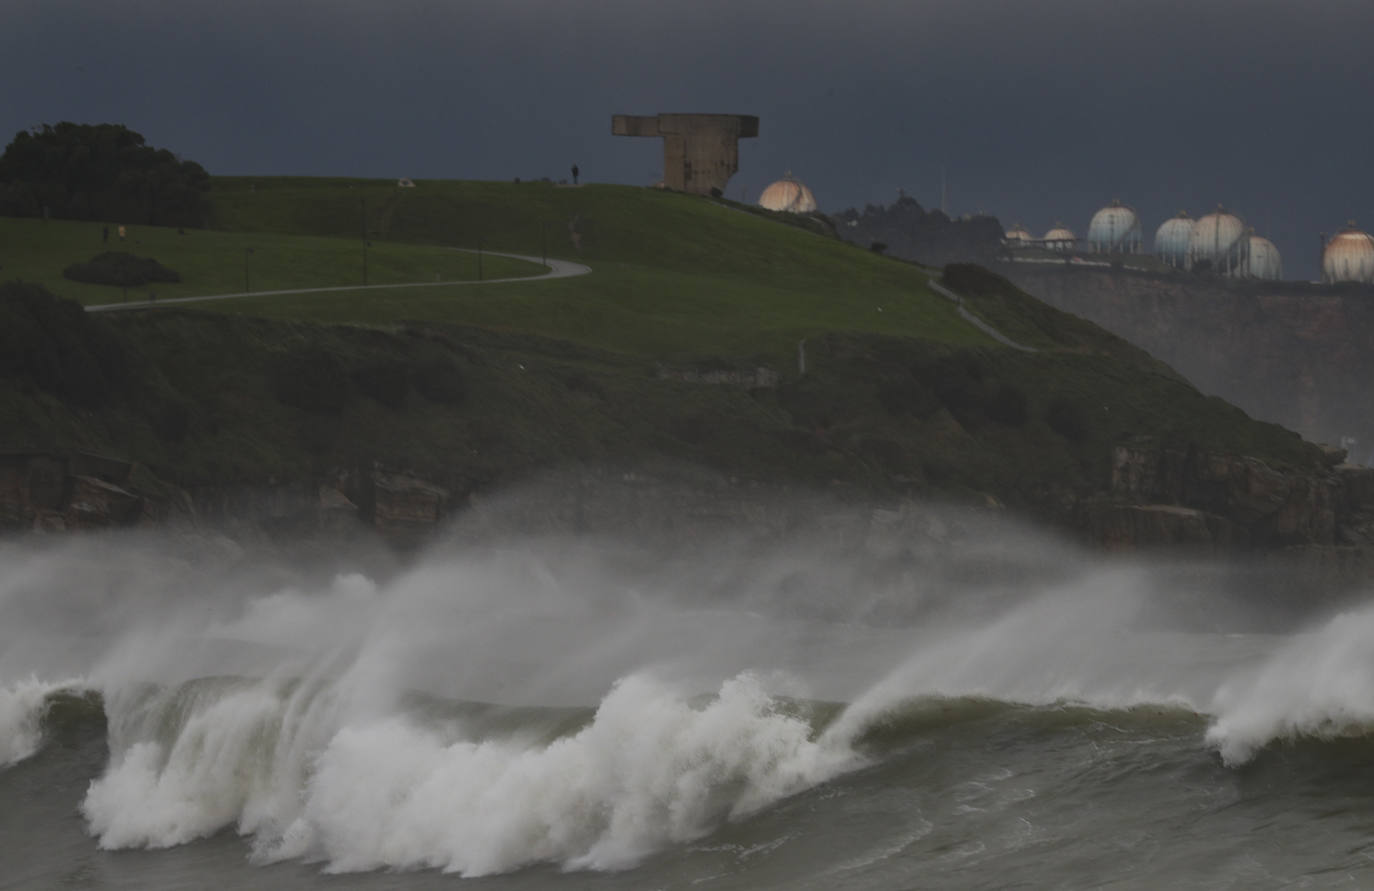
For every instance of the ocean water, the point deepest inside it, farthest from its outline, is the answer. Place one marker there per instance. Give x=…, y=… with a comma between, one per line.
x=544, y=712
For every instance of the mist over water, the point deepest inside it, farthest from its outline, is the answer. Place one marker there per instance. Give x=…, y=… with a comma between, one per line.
x=593, y=701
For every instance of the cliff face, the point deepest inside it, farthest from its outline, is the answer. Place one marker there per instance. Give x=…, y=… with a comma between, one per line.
x=1289, y=353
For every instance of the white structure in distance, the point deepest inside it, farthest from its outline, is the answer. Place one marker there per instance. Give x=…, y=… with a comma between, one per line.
x=788, y=195
x=1171, y=240
x=1349, y=256
x=1115, y=229
x=1263, y=260
x=1060, y=238
x=1220, y=240
x=1018, y=236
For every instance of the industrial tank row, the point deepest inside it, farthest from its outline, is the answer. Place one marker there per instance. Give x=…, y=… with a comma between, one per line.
x=1219, y=241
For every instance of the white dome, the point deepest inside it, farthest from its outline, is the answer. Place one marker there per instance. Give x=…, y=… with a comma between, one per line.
x=1171, y=240
x=1263, y=260
x=1115, y=229
x=1018, y=235
x=1349, y=257
x=1060, y=238
x=787, y=194
x=1219, y=239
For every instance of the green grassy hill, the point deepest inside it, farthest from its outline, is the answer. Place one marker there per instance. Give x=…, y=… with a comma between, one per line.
x=674, y=275
x=212, y=262
x=682, y=344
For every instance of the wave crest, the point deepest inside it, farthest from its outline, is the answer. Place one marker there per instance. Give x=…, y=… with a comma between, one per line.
x=24, y=707
x=652, y=767
x=1320, y=685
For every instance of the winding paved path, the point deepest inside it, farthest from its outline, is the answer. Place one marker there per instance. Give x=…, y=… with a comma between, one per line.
x=975, y=321
x=557, y=269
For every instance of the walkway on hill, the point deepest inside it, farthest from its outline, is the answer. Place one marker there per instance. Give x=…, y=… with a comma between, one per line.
x=975, y=321
x=557, y=269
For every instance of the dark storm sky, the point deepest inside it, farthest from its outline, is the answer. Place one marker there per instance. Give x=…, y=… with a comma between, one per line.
x=1037, y=110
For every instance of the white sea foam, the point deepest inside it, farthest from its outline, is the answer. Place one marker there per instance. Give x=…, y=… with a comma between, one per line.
x=653, y=766
x=283, y=704
x=22, y=705
x=1318, y=684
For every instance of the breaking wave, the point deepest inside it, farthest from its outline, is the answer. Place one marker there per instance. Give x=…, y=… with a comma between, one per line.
x=584, y=705
x=1317, y=685
x=24, y=709
x=651, y=766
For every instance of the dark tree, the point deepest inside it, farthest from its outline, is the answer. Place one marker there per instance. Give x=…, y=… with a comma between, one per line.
x=99, y=172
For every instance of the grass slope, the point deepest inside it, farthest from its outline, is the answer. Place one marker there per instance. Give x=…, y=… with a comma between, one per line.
x=211, y=262
x=675, y=276
x=473, y=386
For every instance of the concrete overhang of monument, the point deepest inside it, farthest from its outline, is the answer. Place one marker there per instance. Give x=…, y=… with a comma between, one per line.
x=700, y=151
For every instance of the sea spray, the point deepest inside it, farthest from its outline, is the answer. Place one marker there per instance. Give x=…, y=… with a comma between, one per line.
x=653, y=766
x=1318, y=684
x=22, y=708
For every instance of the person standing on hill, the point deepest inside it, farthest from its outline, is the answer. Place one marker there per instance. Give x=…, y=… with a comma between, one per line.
x=575, y=171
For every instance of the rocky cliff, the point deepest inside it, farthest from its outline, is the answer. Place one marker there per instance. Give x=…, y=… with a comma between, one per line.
x=1295, y=354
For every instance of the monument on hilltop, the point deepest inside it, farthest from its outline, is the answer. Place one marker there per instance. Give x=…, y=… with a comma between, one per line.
x=700, y=151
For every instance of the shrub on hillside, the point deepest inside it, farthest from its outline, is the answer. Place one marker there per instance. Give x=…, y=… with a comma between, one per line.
x=55, y=346
x=388, y=382
x=1068, y=419
x=121, y=269
x=439, y=381
x=311, y=379
x=1007, y=406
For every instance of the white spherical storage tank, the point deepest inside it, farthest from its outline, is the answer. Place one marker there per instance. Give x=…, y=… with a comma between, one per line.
x=787, y=194
x=1017, y=236
x=1115, y=229
x=1220, y=241
x=1171, y=240
x=1349, y=257
x=1263, y=261
x=1060, y=238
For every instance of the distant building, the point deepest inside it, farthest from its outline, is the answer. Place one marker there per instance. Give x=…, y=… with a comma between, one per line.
x=700, y=151
x=1221, y=241
x=1115, y=229
x=789, y=195
x=1060, y=238
x=1171, y=240
x=1349, y=257
x=1018, y=236
x=1262, y=260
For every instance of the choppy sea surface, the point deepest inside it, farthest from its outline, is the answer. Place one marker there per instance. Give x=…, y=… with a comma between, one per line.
x=545, y=713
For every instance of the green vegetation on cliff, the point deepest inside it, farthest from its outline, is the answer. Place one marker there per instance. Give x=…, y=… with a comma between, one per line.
x=683, y=344
x=210, y=262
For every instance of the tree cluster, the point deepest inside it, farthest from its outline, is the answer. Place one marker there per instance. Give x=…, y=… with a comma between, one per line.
x=53, y=345
x=99, y=172
x=120, y=269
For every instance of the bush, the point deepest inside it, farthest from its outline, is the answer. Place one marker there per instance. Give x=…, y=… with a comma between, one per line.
x=386, y=382
x=1068, y=419
x=439, y=381
x=908, y=397
x=54, y=345
x=120, y=269
x=311, y=379
x=1007, y=406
